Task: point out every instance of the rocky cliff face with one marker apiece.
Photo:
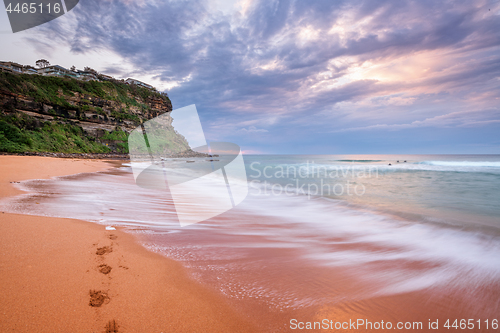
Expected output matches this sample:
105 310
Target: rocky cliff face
94 114
101 113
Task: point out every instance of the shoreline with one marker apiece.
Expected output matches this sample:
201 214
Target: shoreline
60 275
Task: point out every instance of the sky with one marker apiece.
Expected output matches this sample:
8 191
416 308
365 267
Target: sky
298 77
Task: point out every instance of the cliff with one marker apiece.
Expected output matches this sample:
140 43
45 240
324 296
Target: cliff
49 114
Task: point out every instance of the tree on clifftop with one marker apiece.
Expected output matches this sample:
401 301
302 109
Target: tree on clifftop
42 63
91 70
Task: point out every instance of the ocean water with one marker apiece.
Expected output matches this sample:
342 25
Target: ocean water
461 189
319 232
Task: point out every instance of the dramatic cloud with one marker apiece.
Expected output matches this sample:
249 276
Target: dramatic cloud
260 71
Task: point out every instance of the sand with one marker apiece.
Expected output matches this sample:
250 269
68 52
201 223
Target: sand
64 275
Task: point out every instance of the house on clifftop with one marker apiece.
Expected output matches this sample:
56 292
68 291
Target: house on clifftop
87 74
30 70
11 67
56 70
139 83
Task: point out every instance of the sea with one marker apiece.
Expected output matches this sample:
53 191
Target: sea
340 237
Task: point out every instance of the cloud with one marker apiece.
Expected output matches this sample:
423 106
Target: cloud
452 119
253 129
300 60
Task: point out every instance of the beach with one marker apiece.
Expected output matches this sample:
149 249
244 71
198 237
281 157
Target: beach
416 250
66 275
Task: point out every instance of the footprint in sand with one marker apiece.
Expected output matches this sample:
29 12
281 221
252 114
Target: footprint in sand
103 250
104 269
112 327
97 298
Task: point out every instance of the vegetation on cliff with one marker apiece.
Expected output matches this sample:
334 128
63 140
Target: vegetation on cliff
19 133
51 114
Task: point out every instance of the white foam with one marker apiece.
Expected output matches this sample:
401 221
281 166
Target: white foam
312 225
315 224
487 164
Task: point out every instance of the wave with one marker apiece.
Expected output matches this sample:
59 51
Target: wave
488 164
323 227
321 222
358 161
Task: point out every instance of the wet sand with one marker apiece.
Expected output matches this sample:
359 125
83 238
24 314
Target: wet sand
286 290
63 275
